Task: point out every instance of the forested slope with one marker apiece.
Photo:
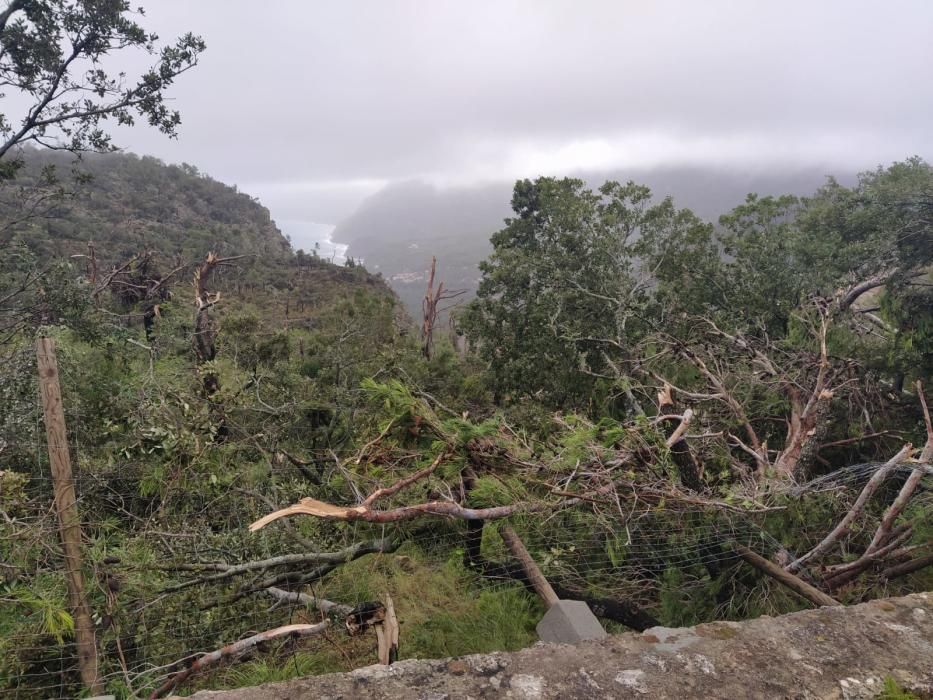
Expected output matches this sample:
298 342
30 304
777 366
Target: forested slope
126 203
260 439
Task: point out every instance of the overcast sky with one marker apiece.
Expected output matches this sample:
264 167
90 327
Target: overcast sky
314 105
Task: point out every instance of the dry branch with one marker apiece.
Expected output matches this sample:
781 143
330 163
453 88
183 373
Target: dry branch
723 394
429 308
908 567
327 607
856 509
227 571
809 419
310 506
404 483
887 537
814 595
847 572
907 490
236 649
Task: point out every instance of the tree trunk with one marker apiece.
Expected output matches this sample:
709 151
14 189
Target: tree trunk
538 582
799 586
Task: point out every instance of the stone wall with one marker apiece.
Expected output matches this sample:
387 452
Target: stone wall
840 652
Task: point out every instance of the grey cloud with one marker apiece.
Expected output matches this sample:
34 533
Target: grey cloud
304 99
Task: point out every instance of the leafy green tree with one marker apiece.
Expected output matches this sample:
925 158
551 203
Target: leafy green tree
50 57
536 257
51 54
876 240
564 294
869 247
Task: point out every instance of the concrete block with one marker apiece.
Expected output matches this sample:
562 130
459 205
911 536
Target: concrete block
569 621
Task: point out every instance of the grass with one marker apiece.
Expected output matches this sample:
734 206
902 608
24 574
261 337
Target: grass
893 691
443 610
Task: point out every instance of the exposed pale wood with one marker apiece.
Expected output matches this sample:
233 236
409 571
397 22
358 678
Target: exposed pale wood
235 649
681 429
691 471
311 506
882 534
67 510
387 631
535 577
876 479
796 584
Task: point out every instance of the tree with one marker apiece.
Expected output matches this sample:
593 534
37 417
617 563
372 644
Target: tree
51 52
50 56
563 296
429 310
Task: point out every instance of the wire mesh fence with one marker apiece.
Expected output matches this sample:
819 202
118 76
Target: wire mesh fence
173 574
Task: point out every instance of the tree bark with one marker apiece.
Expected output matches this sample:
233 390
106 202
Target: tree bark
799 586
235 649
537 579
908 567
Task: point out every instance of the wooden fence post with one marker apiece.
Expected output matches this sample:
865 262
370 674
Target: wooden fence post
66 507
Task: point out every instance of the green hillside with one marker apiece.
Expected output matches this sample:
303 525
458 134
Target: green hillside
638 407
127 203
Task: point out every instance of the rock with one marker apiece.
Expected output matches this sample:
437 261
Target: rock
844 653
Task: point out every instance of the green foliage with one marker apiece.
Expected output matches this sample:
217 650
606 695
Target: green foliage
589 300
578 279
45 42
893 691
490 491
47 610
464 431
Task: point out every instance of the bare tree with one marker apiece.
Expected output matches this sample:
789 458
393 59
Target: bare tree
433 298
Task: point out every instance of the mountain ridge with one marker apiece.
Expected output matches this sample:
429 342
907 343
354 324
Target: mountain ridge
397 230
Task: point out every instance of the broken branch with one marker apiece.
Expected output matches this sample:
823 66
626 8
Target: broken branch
856 509
236 649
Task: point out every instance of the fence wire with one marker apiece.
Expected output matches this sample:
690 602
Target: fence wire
159 584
